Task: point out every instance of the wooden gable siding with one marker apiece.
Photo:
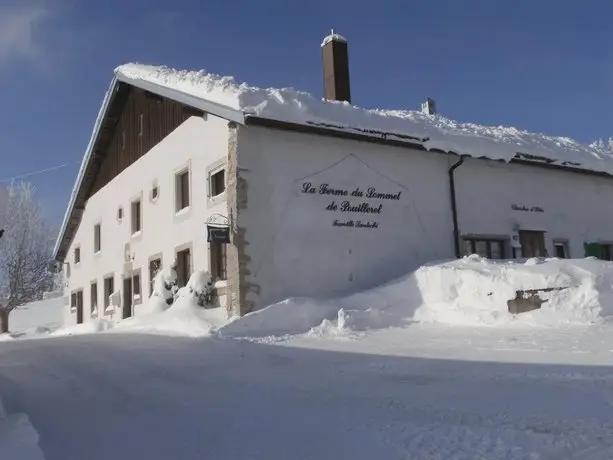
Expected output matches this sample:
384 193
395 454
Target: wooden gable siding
127 143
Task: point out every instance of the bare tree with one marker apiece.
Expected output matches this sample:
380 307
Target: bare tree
25 250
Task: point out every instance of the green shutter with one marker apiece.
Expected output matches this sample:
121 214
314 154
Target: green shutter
593 250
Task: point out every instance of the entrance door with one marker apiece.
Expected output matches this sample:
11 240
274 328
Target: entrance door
127 298
79 307
532 243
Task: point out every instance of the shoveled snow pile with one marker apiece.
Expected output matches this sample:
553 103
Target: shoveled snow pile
475 291
18 438
470 291
432 131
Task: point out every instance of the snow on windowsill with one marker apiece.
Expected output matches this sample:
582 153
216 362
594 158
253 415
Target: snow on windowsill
137 235
221 284
219 196
183 212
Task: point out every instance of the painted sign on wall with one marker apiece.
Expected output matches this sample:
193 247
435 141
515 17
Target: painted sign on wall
363 202
523 208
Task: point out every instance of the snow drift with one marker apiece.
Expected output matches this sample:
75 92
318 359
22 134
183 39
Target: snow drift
475 291
472 291
18 438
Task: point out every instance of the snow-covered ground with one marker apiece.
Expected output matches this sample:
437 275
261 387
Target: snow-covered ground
37 319
382 374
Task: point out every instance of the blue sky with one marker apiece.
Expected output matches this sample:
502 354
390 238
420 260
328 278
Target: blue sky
545 66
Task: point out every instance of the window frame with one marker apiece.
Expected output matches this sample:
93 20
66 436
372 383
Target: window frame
136 221
557 242
181 205
473 240
213 182
136 274
107 295
184 275
152 275
93 299
97 237
218 261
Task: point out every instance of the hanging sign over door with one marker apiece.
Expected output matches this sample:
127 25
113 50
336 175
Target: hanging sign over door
217 234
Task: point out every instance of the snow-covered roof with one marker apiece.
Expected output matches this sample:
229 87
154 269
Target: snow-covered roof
435 131
225 97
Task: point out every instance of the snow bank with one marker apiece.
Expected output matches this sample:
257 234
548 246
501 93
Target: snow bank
470 291
89 327
18 438
475 291
36 318
432 131
291 316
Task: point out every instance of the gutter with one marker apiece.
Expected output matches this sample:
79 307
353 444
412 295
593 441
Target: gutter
454 206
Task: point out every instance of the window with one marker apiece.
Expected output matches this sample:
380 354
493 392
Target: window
217 253
602 251
109 288
97 238
184 267
93 299
155 266
182 190
155 191
136 283
136 217
560 249
218 182
489 248
119 213
77 255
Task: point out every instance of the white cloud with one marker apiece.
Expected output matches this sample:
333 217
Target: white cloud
19 32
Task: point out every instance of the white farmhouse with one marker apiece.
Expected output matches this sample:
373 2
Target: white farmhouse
277 193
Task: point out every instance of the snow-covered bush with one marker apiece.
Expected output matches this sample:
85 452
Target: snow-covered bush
164 289
199 288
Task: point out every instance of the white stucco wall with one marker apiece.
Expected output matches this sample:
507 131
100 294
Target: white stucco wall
574 206
293 246
295 250
198 143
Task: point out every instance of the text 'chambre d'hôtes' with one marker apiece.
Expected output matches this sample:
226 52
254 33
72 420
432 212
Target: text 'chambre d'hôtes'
347 206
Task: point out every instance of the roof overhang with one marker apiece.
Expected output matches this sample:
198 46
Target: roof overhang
78 197
213 108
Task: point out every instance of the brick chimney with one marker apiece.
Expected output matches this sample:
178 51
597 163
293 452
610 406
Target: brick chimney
335 59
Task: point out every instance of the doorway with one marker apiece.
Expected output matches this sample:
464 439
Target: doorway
79 305
127 298
532 243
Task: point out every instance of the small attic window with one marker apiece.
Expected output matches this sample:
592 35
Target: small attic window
155 191
119 213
